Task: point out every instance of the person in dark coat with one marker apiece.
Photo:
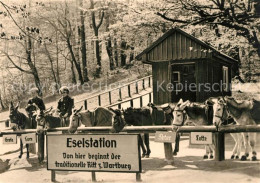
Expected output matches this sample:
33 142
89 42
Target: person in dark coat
32 105
65 105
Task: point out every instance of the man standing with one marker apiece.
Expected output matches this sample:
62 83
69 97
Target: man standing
65 105
32 105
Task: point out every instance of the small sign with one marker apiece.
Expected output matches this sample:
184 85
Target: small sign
201 138
95 152
162 136
29 138
9 139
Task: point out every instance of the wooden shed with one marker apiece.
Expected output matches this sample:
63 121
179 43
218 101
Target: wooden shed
185 67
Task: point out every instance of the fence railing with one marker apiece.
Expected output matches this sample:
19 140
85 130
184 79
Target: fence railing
219 133
145 80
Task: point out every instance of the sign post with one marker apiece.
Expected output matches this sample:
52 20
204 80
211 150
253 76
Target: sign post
93 153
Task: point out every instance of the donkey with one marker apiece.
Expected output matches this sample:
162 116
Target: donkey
195 113
148 115
98 117
19 121
244 113
45 120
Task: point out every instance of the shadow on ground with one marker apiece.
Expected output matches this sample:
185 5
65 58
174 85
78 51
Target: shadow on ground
251 168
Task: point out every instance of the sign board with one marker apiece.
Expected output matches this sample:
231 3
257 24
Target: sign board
94 152
29 138
9 139
162 136
201 138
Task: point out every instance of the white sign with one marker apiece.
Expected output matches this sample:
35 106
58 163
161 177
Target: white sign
9 139
201 138
29 138
162 136
93 152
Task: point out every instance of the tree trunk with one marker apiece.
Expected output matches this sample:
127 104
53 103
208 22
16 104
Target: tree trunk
77 65
131 54
52 67
32 66
83 44
122 53
110 53
116 53
73 79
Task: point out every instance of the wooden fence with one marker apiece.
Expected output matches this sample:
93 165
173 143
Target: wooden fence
219 133
145 83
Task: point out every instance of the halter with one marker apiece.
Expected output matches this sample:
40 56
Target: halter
222 116
183 118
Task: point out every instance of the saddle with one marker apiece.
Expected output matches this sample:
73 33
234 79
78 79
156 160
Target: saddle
159 112
255 111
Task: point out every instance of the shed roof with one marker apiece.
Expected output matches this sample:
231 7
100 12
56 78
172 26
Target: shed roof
176 44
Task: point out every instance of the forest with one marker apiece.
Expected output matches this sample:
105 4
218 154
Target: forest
51 43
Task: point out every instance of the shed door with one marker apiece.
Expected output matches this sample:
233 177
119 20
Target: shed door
184 82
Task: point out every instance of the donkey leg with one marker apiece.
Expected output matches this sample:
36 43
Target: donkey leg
211 151
234 151
246 144
141 143
206 156
27 148
177 143
147 144
252 140
21 149
239 144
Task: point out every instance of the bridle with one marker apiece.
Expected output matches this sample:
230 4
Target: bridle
184 117
225 108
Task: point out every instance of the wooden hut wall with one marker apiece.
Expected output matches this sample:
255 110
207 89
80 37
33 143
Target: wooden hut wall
202 73
161 75
176 47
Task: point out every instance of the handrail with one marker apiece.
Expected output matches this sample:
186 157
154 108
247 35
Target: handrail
152 129
128 100
102 93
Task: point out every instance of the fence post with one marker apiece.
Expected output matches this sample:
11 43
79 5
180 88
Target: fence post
86 104
143 85
41 146
99 100
220 146
120 95
150 97
129 91
136 87
138 177
93 176
119 106
53 176
141 101
132 103
168 153
149 81
109 95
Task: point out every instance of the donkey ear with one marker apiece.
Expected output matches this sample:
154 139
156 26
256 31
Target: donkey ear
17 105
184 104
11 104
80 109
180 101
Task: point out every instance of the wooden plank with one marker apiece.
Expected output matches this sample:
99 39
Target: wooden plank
93 177
164 49
220 146
41 145
175 56
183 47
188 48
169 48
53 176
160 51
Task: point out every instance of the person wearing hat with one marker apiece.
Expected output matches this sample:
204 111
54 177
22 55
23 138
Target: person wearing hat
32 105
65 105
